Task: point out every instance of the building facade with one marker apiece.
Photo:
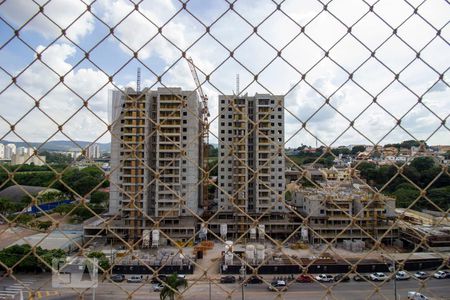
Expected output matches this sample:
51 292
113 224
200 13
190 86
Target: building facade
339 211
93 151
155 159
251 168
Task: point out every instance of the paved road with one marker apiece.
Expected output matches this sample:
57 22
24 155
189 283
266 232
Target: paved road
437 289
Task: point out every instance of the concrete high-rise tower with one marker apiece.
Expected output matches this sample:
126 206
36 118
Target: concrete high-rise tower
155 161
251 146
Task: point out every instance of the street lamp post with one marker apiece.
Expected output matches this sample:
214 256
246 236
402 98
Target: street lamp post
243 273
209 288
395 279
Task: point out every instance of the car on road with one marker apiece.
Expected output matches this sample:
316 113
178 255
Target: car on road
341 278
157 287
421 275
135 279
361 277
304 278
402 275
378 276
441 274
324 278
253 279
416 296
161 277
228 279
118 277
277 285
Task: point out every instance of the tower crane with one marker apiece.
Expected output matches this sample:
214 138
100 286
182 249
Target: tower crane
204 130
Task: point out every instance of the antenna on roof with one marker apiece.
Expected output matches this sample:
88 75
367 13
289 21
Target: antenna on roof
237 84
138 81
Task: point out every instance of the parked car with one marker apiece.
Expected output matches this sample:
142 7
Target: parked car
324 278
161 277
341 278
253 279
228 279
360 277
157 287
277 285
441 274
118 277
135 279
402 275
416 296
378 276
305 278
421 275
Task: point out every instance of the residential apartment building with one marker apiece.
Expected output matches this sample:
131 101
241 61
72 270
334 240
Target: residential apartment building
93 151
155 159
10 150
251 169
2 151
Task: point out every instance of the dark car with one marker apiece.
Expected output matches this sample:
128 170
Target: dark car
341 278
161 277
359 277
227 279
253 279
118 277
303 278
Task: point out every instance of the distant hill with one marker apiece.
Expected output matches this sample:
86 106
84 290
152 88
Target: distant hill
61 145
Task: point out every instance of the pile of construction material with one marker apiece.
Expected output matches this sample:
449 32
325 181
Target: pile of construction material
354 246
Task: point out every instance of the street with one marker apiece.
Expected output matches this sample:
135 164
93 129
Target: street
202 290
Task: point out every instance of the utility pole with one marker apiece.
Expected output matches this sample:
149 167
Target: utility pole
243 272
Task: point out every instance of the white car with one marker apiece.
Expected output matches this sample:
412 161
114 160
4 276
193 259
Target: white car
277 285
440 275
421 275
416 296
135 279
324 278
157 287
378 276
402 275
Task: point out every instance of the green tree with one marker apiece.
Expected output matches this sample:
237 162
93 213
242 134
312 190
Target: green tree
63 209
28 261
171 287
422 163
24 218
83 181
5 206
405 196
99 198
103 262
440 197
44 225
356 149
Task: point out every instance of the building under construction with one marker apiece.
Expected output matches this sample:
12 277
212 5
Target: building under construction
340 211
156 158
251 169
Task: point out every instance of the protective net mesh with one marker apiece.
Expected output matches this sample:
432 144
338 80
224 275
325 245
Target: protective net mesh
272 149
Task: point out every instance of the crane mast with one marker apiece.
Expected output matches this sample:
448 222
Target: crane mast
204 114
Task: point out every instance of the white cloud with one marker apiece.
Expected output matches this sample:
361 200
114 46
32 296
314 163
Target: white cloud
349 97
57 101
61 12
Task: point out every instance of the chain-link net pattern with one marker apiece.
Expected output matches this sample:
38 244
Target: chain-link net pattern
278 200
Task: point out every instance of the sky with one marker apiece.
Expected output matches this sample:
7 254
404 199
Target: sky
331 76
